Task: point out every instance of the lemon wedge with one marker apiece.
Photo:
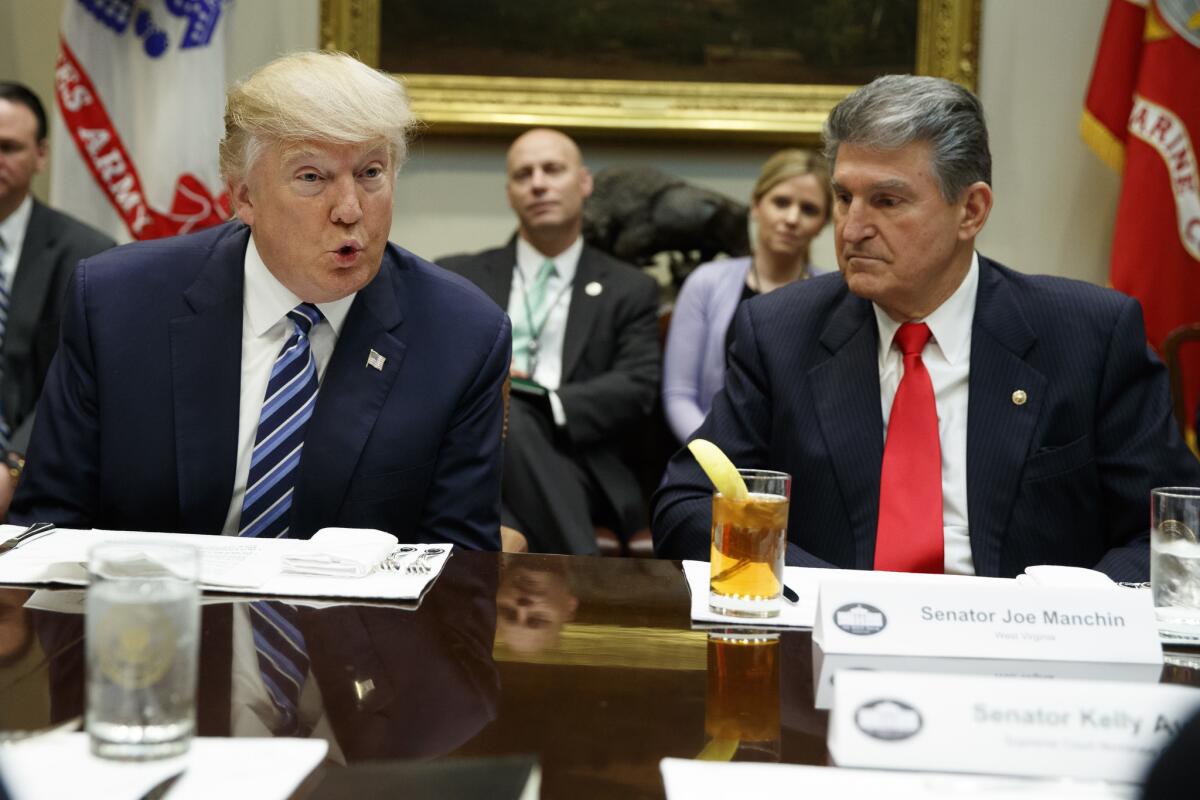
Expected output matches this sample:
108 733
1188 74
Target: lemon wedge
718 749
719 469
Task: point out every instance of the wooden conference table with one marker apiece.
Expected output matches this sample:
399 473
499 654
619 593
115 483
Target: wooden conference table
588 664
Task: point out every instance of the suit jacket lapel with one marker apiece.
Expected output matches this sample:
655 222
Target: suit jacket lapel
206 358
33 277
350 399
998 429
497 277
846 397
583 310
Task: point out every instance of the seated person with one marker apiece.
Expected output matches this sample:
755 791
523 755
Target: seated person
39 247
938 412
584 328
288 371
790 206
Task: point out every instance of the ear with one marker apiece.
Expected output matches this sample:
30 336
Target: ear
239 192
976 205
585 181
43 153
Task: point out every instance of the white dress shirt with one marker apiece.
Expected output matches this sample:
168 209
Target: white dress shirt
12 234
265 329
548 370
947 357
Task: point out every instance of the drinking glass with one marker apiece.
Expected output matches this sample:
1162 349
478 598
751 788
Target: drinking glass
741 699
749 538
143 618
1175 556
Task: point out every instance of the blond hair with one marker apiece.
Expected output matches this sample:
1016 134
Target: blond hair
313 96
788 164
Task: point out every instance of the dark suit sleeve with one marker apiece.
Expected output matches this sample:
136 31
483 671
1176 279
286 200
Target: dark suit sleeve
60 482
740 424
1138 446
463 502
598 407
76 242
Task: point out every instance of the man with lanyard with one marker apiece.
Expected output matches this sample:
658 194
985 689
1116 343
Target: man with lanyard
585 354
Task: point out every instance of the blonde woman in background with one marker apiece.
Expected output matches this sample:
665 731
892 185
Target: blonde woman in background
791 204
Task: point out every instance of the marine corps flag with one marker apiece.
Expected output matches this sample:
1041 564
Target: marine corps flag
139 91
1142 117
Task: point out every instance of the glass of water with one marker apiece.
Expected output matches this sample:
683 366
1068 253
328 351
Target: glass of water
142 633
1175 557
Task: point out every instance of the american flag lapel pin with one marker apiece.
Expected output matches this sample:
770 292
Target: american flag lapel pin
376 360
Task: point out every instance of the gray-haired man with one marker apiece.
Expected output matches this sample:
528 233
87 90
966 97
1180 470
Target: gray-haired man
940 412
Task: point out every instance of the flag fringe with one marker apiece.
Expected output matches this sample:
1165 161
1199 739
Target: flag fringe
1107 147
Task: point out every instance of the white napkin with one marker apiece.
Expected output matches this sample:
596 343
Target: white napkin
1064 577
59 765
341 553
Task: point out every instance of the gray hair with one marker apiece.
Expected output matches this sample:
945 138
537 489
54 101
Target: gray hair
313 96
896 110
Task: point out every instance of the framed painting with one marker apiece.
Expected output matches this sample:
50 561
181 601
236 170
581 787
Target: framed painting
751 70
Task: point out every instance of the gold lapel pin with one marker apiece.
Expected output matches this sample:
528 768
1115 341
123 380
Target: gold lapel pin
1019 397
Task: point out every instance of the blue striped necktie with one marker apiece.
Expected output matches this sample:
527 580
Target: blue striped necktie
5 432
266 510
287 407
282 661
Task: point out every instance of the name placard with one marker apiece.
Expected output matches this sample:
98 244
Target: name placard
1004 726
989 620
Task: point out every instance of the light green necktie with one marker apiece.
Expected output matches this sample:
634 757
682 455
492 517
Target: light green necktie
529 329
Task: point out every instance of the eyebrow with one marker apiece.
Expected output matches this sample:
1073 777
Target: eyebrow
887 185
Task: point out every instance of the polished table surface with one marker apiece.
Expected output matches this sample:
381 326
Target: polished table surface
588 664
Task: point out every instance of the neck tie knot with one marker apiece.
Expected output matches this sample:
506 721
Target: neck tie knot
305 315
912 338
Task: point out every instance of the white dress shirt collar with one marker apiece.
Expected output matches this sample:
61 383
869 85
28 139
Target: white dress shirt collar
268 300
950 323
530 260
12 233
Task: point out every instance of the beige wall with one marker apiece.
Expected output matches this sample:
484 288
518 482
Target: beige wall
1054 200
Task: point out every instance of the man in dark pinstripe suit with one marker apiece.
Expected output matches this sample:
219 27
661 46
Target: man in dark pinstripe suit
1053 420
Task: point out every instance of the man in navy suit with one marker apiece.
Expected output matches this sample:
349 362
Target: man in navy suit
1048 419
162 405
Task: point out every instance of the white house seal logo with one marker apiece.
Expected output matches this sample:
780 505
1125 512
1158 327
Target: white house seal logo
888 720
860 619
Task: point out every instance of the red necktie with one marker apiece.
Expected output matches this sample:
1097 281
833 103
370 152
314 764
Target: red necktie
910 537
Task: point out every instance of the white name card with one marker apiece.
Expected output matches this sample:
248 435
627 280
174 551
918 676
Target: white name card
1004 726
989 620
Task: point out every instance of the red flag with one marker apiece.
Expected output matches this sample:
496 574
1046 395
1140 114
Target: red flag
1142 116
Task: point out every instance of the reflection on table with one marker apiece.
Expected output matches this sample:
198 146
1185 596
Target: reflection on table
588 664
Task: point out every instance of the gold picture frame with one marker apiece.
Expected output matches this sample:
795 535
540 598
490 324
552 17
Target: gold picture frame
947 46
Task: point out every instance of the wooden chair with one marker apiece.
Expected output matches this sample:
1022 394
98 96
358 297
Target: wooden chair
1176 339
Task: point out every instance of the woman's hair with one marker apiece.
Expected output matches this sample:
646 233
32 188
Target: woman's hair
788 164
313 96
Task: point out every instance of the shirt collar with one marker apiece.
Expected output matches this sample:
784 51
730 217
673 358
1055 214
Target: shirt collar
529 260
950 323
12 229
268 300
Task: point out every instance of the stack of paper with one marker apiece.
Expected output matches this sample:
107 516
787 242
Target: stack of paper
324 566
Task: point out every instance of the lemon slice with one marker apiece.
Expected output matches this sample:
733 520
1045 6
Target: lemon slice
718 749
719 469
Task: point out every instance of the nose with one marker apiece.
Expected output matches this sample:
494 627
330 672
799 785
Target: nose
537 181
347 208
854 222
792 215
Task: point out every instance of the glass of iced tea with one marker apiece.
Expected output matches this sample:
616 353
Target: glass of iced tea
749 537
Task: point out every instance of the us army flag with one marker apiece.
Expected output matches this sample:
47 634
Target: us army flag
139 91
